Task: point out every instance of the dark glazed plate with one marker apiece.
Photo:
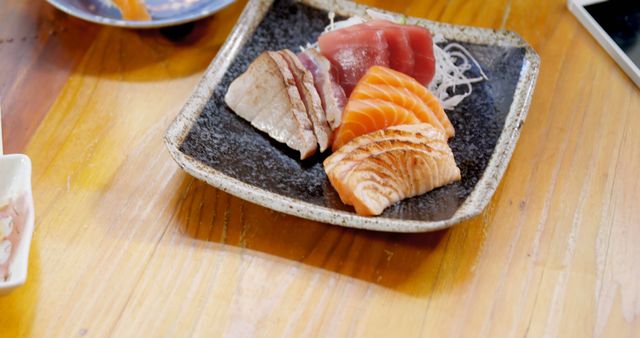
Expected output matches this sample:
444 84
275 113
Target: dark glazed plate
213 144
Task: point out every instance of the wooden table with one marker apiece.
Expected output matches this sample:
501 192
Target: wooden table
127 245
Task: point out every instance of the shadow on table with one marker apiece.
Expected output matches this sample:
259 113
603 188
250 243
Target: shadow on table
146 55
411 263
42 45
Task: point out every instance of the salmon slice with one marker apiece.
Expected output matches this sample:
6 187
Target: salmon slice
354 159
132 10
386 76
390 177
403 132
364 116
400 136
377 170
400 96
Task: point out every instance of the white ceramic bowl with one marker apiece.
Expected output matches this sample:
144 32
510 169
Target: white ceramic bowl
16 212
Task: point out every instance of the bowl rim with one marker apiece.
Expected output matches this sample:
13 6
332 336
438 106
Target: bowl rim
474 204
212 8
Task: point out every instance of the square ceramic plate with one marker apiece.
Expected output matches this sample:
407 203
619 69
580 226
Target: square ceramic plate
213 144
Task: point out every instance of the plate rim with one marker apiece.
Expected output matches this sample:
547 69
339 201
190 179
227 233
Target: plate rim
148 24
473 205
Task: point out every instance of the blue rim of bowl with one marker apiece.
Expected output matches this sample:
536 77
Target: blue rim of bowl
214 7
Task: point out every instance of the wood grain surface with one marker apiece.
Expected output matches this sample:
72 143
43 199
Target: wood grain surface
127 245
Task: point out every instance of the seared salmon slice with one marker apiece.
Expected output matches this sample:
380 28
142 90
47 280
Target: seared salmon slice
376 170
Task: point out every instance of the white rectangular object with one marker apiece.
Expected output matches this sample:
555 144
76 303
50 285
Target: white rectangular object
15 190
577 7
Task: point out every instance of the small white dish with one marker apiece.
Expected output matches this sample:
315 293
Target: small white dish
16 220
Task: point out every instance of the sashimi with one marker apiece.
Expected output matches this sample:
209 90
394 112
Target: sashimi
310 98
421 44
331 93
352 52
266 95
403 132
392 138
386 76
400 96
425 62
364 116
380 171
401 53
354 49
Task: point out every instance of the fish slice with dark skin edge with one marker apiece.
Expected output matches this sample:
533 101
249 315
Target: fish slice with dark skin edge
331 93
311 99
266 95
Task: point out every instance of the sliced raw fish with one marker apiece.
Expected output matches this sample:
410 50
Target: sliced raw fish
381 170
401 53
403 132
385 97
425 62
364 116
421 44
331 93
400 96
386 76
352 51
310 98
267 96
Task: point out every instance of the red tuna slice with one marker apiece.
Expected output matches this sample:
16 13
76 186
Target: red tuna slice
422 45
401 54
352 51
